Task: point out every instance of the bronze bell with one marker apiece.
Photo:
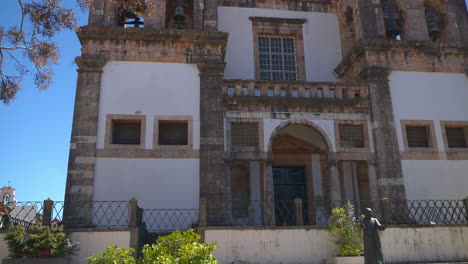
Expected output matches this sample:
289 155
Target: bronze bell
179 16
393 29
434 30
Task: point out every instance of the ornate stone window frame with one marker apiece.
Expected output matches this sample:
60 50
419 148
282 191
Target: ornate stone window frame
460 124
281 27
365 135
187 118
259 121
108 131
432 141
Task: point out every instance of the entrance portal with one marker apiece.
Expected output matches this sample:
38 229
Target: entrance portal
289 184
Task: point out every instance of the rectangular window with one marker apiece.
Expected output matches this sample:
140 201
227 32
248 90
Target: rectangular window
351 136
277 58
417 136
127 132
244 134
173 132
456 137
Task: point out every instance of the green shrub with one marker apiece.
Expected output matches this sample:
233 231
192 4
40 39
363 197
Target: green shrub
176 248
38 242
113 255
346 231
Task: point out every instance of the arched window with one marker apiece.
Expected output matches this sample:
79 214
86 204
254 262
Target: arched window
6 198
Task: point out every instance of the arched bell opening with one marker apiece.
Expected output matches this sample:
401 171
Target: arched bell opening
434 11
132 13
393 19
179 14
299 170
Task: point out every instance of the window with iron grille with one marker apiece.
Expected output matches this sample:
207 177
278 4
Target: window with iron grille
277 58
173 132
417 136
244 134
127 132
351 136
456 137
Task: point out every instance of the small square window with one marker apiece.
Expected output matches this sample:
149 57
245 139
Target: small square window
257 91
417 136
351 136
295 93
245 91
126 132
231 91
282 92
244 134
307 92
331 93
172 132
271 92
456 137
320 93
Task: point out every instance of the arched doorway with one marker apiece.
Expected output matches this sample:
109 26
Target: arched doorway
299 169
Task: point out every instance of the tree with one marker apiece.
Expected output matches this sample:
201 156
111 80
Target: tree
28 49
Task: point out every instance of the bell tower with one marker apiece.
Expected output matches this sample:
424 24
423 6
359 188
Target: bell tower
8 196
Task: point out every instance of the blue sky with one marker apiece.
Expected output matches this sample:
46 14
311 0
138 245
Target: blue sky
35 128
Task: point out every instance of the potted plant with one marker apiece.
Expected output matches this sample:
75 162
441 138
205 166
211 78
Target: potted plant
347 233
39 244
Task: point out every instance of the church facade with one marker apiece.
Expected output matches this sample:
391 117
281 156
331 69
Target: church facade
246 103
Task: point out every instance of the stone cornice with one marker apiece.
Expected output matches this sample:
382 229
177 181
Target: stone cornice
147 45
278 20
142 34
403 56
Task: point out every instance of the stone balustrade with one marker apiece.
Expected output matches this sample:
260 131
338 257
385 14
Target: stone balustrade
241 88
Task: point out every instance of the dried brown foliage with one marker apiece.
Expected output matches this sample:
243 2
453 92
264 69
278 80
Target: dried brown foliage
29 49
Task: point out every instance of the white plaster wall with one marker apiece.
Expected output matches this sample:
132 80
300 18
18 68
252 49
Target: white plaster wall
435 179
428 96
151 89
155 183
91 243
3 246
425 244
269 125
321 41
437 97
272 246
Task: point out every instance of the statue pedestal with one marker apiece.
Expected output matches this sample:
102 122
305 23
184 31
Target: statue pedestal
346 260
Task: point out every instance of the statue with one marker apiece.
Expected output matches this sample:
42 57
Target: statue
372 246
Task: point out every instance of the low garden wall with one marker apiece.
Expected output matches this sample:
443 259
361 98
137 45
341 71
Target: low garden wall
293 245
400 244
91 241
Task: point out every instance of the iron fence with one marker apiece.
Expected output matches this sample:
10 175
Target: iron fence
115 214
168 220
429 212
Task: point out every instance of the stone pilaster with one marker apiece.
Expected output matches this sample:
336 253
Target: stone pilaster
156 17
213 179
268 194
81 161
210 15
103 13
371 19
387 155
415 26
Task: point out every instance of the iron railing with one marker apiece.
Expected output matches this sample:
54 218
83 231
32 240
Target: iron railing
116 214
168 220
429 212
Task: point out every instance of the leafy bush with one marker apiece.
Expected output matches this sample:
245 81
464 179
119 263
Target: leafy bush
176 248
113 255
346 231
38 242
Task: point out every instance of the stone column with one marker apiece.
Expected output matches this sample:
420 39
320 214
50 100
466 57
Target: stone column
348 180
255 199
415 26
104 13
371 19
335 185
213 182
374 195
268 195
316 210
387 155
81 160
457 22
210 15
156 18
